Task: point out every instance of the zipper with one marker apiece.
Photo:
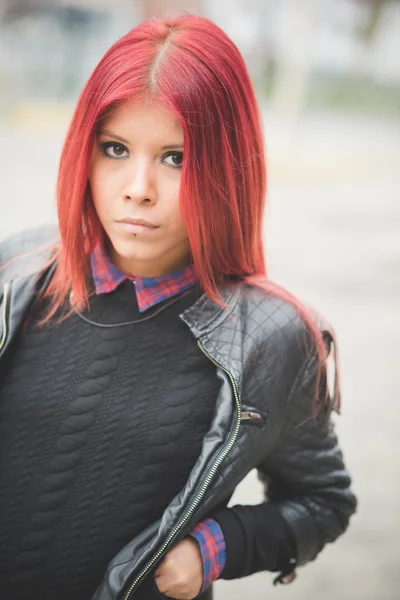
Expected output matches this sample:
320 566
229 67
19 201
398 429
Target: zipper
204 485
4 314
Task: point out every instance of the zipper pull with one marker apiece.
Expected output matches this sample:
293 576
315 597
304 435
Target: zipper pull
248 415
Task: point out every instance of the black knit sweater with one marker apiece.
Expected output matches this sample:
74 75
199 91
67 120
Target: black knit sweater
99 429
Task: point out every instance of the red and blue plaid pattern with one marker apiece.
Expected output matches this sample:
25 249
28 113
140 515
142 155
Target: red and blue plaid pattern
149 290
211 540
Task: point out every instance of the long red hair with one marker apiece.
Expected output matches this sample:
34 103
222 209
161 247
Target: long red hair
192 67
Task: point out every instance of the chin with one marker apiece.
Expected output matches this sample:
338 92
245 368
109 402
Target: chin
132 249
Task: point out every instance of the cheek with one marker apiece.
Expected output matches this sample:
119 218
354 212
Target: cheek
171 200
175 218
100 189
179 226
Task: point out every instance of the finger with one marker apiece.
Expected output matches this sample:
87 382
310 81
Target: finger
162 583
160 569
175 590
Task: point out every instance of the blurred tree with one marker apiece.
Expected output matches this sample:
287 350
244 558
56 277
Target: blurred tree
366 32
12 10
375 10
152 8
293 65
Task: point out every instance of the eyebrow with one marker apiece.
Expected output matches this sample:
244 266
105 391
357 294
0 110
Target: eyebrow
124 141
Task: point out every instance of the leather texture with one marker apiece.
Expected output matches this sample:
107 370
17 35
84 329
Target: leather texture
266 360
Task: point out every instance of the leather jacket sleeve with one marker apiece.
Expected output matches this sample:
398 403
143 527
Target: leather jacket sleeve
26 252
308 497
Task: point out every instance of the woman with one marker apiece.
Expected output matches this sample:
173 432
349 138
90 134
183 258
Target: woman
148 363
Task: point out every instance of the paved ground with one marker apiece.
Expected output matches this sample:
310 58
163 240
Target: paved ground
332 238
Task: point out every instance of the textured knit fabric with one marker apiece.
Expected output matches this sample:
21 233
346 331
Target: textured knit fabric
149 290
99 429
211 540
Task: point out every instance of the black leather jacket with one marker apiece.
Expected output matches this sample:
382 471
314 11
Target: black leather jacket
262 420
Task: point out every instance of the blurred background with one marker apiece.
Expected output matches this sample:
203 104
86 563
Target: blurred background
327 76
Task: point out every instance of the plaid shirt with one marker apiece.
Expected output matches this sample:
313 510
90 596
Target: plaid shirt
211 540
149 292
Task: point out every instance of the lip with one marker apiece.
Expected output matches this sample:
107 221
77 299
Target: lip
132 225
134 221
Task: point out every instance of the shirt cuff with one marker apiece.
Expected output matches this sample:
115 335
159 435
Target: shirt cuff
210 538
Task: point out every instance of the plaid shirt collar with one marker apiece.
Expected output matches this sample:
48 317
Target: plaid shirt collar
149 290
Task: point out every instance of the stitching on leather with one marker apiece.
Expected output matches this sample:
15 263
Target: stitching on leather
221 312
221 357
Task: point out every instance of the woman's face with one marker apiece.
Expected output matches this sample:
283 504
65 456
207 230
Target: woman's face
135 174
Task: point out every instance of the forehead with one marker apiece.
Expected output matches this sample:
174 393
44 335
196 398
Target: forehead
139 120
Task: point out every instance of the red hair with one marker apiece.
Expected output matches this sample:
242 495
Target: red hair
192 67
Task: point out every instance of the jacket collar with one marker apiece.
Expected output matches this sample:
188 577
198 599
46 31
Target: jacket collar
205 314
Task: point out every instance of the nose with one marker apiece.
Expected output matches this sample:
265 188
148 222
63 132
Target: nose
140 183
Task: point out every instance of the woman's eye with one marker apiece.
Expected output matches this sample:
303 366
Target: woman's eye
174 159
114 150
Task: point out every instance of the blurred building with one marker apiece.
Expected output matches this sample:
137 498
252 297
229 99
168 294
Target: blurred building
49 47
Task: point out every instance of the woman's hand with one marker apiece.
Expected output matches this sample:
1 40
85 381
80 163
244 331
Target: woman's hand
180 574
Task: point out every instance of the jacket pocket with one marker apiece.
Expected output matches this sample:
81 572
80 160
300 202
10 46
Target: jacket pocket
253 416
